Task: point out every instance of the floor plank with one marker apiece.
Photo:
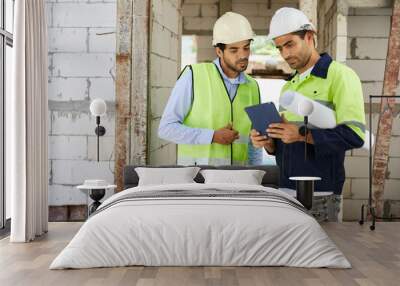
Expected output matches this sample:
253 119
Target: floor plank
374 255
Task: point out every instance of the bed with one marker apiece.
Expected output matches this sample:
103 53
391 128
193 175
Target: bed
198 224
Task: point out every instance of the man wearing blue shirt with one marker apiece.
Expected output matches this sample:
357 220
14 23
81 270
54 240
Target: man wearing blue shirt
205 113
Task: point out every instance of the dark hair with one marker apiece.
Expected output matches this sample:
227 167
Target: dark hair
301 33
221 46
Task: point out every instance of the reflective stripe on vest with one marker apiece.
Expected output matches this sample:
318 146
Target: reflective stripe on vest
213 109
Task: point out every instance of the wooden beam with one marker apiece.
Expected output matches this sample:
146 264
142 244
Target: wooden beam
139 86
381 155
210 32
369 3
224 6
131 85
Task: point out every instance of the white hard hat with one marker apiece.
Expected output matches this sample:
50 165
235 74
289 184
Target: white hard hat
288 20
231 28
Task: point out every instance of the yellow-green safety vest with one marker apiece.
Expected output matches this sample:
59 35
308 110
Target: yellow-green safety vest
213 109
341 91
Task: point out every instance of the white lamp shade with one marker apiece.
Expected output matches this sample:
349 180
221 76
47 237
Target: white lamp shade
98 107
305 107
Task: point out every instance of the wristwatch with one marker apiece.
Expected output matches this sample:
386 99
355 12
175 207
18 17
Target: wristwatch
302 130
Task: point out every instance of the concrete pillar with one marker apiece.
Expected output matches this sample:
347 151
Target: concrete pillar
309 7
131 85
224 6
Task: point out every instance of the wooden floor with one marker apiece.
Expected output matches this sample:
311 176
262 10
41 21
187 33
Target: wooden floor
375 257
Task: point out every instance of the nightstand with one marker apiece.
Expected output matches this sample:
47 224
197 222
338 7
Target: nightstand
319 208
96 190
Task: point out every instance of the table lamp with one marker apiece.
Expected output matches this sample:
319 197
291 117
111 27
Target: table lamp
98 108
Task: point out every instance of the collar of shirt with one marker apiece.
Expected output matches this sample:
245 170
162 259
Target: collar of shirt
240 79
320 68
305 73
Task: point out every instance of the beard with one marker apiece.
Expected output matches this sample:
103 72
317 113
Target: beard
298 62
238 66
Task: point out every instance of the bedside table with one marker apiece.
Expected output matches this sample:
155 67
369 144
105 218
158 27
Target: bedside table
96 190
319 208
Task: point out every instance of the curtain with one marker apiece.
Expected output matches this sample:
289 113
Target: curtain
27 134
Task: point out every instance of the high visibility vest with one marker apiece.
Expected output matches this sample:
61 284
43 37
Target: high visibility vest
340 90
213 109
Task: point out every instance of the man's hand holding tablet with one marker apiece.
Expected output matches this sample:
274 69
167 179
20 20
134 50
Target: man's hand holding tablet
261 116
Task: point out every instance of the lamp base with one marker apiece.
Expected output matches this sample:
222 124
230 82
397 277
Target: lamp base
96 195
305 193
305 190
100 130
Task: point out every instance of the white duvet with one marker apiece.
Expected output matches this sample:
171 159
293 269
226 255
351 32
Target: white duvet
204 231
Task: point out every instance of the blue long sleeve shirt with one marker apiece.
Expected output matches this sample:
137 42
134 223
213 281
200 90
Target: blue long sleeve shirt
171 125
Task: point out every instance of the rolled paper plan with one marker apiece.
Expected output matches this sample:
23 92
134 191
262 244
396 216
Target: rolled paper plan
321 116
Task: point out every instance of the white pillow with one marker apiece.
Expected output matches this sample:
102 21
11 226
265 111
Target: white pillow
248 177
165 176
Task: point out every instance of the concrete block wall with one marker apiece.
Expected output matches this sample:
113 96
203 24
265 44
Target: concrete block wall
199 17
358 38
332 28
165 42
205 50
367 46
367 40
81 67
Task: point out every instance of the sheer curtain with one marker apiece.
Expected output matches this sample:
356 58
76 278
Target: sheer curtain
27 134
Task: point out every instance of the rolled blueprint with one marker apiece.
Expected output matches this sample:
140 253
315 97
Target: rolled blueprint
318 114
321 116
